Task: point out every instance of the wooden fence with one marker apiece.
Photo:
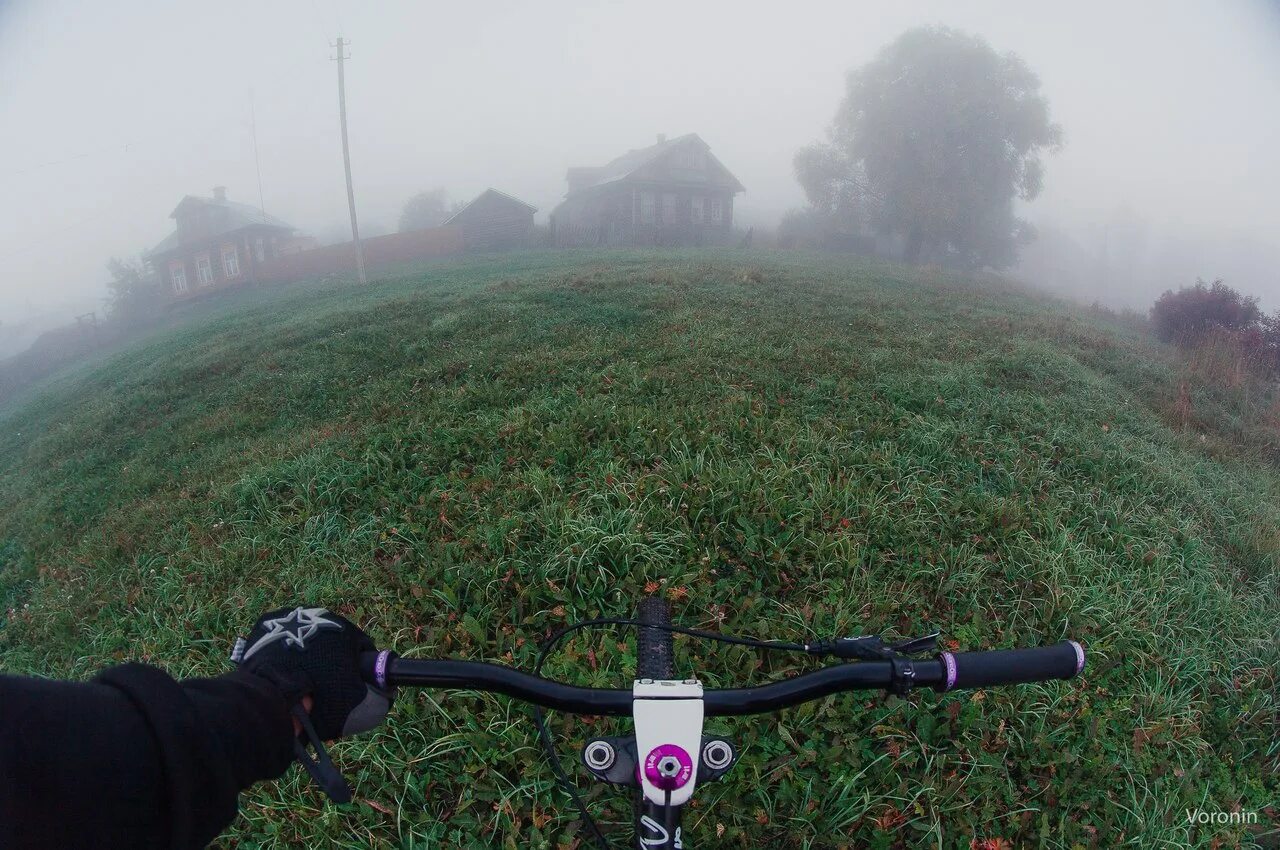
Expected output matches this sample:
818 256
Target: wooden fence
391 249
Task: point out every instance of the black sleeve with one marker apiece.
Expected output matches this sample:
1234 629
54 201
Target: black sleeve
133 758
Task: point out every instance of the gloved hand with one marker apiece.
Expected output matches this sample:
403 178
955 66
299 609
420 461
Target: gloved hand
312 651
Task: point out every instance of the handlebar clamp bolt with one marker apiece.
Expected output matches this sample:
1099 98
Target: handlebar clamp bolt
717 754
599 755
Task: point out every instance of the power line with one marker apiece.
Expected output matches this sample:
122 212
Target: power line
253 128
72 158
320 24
38 242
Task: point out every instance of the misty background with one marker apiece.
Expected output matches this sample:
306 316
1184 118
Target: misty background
113 112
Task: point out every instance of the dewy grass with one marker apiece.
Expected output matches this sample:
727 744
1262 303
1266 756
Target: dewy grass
468 455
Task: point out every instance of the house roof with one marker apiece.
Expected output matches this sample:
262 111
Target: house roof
170 243
632 161
237 216
489 193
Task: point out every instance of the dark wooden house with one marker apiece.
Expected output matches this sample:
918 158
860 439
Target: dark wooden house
674 192
217 243
494 221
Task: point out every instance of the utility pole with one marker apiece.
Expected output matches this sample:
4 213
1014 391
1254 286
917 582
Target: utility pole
346 160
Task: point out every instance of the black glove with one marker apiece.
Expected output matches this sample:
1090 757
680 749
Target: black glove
314 651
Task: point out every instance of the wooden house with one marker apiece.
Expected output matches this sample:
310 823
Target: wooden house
674 192
217 243
494 221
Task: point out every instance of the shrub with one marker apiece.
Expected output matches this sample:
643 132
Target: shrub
811 228
802 228
1186 316
1269 335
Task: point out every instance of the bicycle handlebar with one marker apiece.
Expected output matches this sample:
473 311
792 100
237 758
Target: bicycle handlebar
943 673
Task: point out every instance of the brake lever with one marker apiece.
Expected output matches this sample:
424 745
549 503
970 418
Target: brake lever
917 646
873 647
863 648
321 768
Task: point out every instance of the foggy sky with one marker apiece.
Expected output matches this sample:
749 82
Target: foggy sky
113 111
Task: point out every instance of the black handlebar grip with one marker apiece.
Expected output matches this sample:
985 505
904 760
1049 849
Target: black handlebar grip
1010 666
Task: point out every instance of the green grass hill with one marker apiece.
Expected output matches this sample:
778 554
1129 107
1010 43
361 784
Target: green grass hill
468 455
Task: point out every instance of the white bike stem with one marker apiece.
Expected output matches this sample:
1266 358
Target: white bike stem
668 723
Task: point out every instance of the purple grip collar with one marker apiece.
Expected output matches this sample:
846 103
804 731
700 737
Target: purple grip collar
1079 656
949 662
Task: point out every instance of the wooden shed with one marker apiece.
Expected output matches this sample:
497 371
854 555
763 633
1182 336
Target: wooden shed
494 221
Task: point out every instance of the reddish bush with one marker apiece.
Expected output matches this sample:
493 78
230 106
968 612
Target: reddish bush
1186 316
1269 332
1221 325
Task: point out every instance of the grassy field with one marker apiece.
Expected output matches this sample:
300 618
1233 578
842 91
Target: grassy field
468 456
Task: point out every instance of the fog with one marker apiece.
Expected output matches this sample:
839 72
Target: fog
113 111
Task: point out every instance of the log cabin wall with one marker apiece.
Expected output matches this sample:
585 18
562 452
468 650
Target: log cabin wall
495 222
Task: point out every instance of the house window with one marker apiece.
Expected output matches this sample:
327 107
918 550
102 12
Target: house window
668 208
261 250
715 210
695 209
230 261
648 207
204 270
178 276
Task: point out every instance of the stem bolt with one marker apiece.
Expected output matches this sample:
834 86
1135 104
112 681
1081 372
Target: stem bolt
668 767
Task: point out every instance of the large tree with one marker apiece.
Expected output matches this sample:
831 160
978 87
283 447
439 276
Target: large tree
133 293
426 209
934 140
